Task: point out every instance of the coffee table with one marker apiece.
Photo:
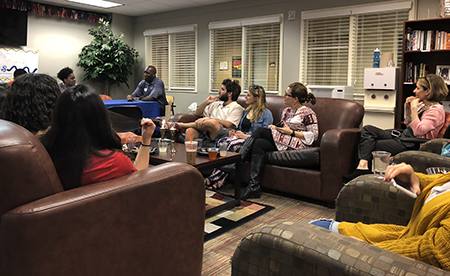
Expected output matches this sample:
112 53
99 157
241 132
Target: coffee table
203 163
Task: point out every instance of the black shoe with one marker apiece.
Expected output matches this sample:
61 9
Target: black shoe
355 174
251 193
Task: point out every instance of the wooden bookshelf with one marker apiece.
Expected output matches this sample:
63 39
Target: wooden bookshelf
430 57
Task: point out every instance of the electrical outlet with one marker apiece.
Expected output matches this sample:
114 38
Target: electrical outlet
291 15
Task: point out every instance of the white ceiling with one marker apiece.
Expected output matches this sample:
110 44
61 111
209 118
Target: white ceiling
137 7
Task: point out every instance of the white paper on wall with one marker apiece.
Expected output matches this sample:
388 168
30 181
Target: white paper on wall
15 58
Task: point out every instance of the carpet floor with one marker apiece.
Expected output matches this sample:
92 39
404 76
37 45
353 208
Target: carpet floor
218 251
228 219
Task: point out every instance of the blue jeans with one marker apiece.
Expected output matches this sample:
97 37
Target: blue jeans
327 224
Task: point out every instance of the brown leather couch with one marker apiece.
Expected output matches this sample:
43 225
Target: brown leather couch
144 223
316 172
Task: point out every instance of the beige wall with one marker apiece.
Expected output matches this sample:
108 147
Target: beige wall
60 40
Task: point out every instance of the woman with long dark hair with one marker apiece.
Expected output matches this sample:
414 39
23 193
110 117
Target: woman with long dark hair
82 144
297 130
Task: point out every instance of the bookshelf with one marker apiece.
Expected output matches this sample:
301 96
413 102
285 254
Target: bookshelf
422 56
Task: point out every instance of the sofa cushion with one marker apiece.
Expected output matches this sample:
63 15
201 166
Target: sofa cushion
302 158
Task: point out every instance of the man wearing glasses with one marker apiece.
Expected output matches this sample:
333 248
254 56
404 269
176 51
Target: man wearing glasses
219 115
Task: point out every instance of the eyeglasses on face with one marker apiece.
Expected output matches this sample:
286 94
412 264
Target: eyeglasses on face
287 95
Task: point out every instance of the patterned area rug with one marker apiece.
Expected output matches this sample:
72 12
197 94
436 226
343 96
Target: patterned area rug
229 219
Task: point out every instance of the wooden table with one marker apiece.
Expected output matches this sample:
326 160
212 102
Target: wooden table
203 163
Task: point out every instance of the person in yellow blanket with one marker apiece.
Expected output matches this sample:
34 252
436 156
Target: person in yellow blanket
426 236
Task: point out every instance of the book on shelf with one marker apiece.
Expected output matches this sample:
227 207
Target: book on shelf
413 71
426 40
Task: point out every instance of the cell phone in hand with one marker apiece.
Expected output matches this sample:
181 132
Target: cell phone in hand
409 192
280 124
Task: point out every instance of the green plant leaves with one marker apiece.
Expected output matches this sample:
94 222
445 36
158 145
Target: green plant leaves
107 58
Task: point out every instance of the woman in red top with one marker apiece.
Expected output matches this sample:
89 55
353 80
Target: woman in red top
82 144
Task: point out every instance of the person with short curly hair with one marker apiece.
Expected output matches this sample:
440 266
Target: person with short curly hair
67 77
30 102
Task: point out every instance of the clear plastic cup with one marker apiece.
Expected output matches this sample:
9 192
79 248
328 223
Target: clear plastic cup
212 153
223 149
191 152
162 145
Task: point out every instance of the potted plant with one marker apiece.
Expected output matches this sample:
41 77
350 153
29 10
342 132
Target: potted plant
107 59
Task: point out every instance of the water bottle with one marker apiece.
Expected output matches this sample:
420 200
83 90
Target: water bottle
376 58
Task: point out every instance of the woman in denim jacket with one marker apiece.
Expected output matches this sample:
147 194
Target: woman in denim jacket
256 115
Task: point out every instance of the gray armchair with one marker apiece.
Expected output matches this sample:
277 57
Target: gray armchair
289 247
429 155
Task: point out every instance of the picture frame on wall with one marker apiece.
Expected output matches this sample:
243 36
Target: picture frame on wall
443 71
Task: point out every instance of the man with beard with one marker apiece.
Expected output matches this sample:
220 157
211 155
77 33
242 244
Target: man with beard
151 88
220 114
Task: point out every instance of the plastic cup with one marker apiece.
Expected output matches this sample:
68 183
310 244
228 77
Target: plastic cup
380 161
131 142
223 149
191 152
135 99
162 146
212 153
199 142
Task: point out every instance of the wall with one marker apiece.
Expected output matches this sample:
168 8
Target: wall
59 42
202 16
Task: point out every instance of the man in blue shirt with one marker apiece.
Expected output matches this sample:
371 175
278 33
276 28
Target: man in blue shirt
151 89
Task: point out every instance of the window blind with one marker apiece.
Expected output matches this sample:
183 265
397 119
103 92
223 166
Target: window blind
262 56
173 53
376 30
336 49
226 47
248 50
325 51
182 61
159 56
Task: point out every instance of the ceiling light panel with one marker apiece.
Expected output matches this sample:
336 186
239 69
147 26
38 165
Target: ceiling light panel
97 3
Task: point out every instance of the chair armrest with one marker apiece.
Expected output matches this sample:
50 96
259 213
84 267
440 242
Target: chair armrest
298 248
147 222
369 200
435 145
338 154
421 160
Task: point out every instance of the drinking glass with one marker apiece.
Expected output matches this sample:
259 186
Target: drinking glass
380 161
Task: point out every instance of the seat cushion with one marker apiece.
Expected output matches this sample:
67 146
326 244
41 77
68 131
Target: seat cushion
302 158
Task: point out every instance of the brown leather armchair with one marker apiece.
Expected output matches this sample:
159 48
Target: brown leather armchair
316 172
144 223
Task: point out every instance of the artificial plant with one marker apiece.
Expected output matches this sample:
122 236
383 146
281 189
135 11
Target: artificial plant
107 59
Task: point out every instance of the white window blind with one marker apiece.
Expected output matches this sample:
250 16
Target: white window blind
326 51
382 30
248 51
173 53
262 56
336 49
226 47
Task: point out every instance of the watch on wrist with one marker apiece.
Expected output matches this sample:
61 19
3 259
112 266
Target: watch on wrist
293 133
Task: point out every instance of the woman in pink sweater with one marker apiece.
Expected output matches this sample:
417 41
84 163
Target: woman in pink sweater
424 117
